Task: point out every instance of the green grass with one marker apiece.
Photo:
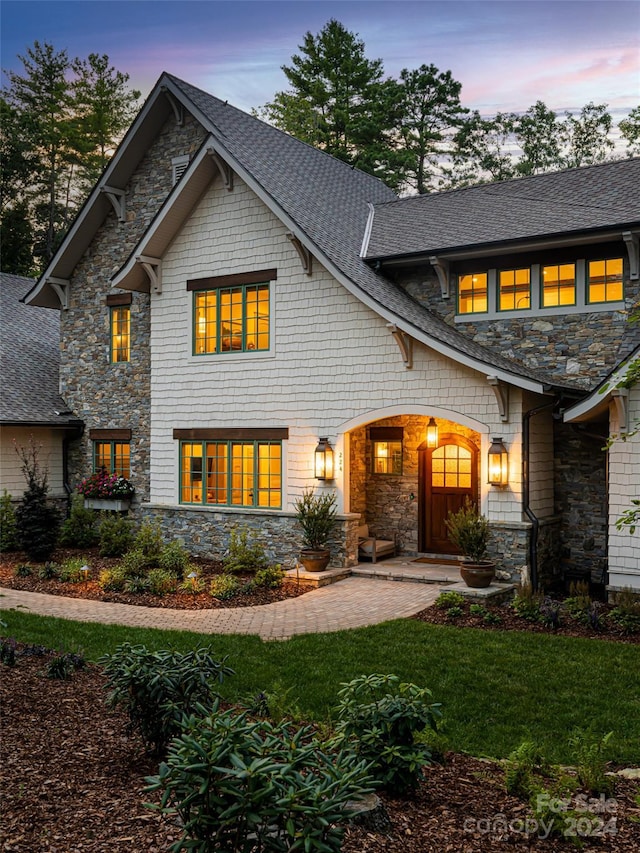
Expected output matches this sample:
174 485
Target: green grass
497 688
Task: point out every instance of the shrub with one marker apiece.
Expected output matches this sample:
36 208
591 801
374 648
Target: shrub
50 571
477 610
527 603
318 518
244 556
116 535
469 531
578 604
455 612
70 570
449 599
62 666
378 717
523 767
23 570
79 530
551 613
37 522
8 529
137 584
225 587
271 577
8 652
174 558
626 613
162 581
589 752
148 541
157 688
490 618
113 580
134 564
191 581
239 786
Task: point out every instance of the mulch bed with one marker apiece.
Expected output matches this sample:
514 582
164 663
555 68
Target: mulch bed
73 780
207 570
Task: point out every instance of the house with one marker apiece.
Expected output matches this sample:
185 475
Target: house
234 303
31 409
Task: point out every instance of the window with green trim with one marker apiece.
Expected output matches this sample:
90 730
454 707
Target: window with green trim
231 473
231 319
112 456
120 333
514 289
558 285
605 281
472 293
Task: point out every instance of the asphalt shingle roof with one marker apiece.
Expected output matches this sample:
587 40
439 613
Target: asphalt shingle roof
29 358
556 203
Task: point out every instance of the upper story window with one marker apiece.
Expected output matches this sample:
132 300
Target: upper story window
120 326
514 289
559 285
605 280
472 293
232 313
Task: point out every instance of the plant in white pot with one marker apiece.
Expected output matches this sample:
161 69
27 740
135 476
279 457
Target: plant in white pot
470 532
317 516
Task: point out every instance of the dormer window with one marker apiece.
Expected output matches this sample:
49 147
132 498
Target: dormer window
605 280
472 293
515 289
559 285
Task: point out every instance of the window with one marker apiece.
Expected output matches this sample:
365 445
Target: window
387 457
234 319
515 289
112 456
231 473
605 281
120 333
472 293
559 285
451 467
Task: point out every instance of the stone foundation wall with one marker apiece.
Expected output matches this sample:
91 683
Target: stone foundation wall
509 547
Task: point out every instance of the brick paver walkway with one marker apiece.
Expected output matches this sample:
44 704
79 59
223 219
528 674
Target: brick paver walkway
351 603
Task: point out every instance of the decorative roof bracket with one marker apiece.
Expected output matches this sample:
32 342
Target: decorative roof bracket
306 258
117 198
176 106
441 267
620 397
226 172
405 344
153 269
633 250
61 288
502 397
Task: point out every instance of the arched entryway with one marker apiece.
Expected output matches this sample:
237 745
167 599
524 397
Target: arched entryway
447 477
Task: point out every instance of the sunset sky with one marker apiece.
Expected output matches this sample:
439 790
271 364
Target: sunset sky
506 54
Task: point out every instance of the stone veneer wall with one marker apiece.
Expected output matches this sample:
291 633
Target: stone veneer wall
105 395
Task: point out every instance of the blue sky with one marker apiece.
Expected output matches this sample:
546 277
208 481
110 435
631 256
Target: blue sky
507 54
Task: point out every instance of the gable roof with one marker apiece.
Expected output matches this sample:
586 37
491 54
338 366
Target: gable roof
323 201
29 359
591 201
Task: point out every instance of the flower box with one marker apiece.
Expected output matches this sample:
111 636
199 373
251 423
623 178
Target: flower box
110 504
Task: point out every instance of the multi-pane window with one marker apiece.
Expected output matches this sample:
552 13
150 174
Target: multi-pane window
451 467
605 281
120 333
112 456
515 289
231 319
387 457
558 285
231 473
472 293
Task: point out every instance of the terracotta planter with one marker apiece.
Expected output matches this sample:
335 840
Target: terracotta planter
108 504
477 575
315 560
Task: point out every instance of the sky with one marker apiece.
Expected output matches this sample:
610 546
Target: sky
507 54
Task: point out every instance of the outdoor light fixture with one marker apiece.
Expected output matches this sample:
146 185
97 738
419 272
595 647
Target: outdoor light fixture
193 576
432 433
323 460
85 571
498 464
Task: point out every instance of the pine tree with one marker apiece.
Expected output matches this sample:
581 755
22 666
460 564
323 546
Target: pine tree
37 521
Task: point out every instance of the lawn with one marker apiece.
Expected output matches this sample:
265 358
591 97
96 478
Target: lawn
497 688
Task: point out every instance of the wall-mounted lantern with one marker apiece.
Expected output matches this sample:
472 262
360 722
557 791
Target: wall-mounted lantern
432 433
323 460
498 463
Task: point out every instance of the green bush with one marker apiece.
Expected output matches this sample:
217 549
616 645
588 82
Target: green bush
378 718
173 558
589 752
157 688
23 570
134 564
523 769
37 521
449 599
116 534
79 529
244 556
137 584
70 570
50 571
8 529
626 613
225 587
271 577
191 580
162 581
113 580
148 541
527 603
241 786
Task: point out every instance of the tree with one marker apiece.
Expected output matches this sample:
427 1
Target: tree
430 109
588 136
482 151
541 137
630 131
37 522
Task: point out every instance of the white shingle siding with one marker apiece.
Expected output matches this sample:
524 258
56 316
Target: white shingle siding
332 359
624 485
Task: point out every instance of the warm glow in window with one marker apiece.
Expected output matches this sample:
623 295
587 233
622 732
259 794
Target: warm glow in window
515 289
559 285
233 319
472 293
605 281
387 457
451 467
112 456
237 473
120 333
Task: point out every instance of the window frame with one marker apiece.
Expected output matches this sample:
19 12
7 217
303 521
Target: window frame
114 456
389 457
514 289
604 261
558 285
473 297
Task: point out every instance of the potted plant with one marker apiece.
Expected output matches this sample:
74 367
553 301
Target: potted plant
317 517
106 491
470 532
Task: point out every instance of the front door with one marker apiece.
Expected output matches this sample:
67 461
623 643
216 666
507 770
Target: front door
448 476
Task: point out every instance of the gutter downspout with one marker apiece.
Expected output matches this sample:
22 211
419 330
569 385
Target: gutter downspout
526 508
